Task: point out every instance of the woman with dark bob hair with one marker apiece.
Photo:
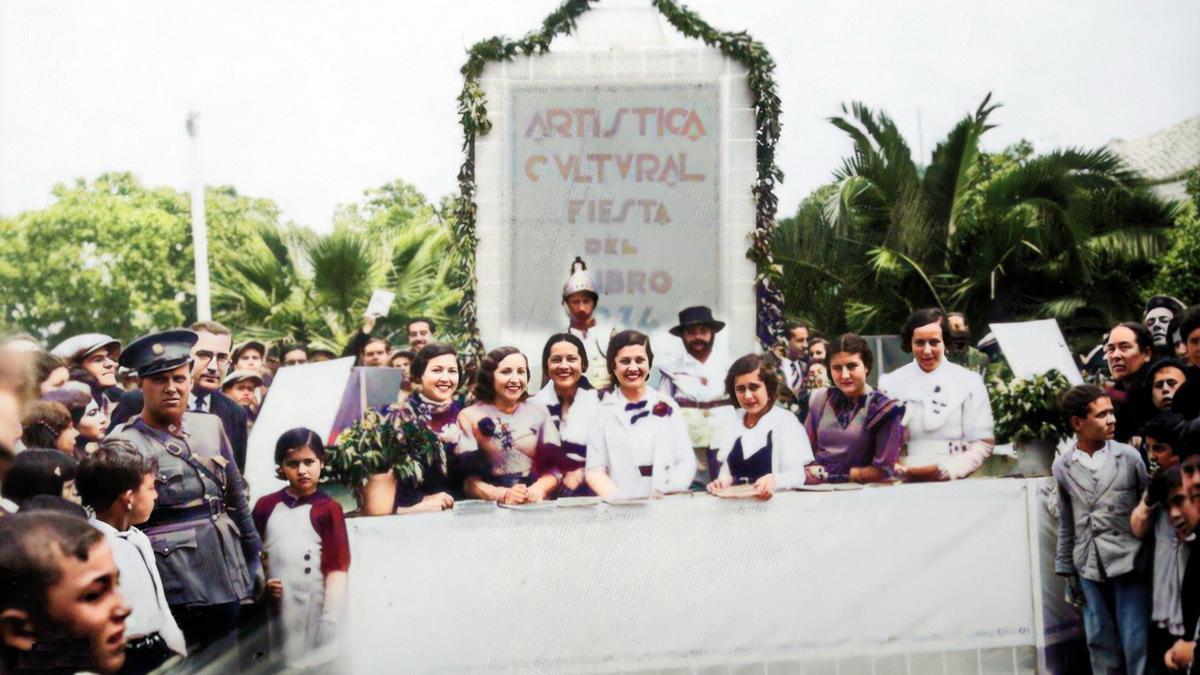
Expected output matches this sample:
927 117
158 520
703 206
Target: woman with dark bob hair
89 420
47 424
435 404
513 440
639 446
949 420
762 445
855 430
1128 350
572 404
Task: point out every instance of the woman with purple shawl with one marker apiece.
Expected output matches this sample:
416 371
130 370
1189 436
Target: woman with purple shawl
855 430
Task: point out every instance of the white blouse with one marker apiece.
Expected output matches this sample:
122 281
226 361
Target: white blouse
628 435
942 407
790 448
581 416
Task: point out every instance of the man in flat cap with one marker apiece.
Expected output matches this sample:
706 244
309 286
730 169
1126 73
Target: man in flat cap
242 387
204 540
92 359
696 380
210 357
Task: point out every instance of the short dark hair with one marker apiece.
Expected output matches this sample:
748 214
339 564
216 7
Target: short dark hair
850 343
1145 340
793 325
115 467
419 319
485 379
298 439
767 369
31 545
923 317
626 338
1075 401
387 346
75 401
210 327
38 472
1189 322
555 339
45 363
402 353
428 353
1164 428
43 423
284 349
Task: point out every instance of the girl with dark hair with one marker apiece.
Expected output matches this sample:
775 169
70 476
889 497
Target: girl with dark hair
640 445
1128 351
435 374
763 446
518 458
855 430
572 404
949 421
51 372
41 472
90 421
307 550
48 425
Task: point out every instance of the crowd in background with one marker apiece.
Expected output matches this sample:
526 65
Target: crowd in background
128 535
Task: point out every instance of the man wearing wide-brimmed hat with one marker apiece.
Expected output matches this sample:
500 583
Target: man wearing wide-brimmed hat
696 380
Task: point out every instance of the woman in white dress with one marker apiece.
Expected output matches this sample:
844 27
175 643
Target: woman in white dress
763 446
572 404
639 446
508 446
948 420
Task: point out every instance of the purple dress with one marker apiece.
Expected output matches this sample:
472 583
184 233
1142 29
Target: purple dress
854 432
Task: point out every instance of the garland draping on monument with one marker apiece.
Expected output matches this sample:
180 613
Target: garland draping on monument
739 46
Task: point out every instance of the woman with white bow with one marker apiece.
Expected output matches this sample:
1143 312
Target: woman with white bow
639 446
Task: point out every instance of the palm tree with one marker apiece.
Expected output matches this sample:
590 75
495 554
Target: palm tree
1029 236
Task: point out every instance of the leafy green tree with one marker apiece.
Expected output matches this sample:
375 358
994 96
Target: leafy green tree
294 285
1179 270
115 256
1069 234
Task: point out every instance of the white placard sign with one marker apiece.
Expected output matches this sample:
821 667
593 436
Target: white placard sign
1034 347
625 176
381 302
300 396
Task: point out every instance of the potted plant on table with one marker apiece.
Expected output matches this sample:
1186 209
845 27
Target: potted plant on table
380 451
1028 416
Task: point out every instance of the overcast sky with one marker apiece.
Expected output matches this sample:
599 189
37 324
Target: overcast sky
310 103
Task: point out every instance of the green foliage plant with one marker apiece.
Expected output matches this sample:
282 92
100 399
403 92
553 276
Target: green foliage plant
395 440
1027 410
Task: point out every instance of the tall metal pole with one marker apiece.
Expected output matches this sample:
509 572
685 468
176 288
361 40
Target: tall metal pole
199 226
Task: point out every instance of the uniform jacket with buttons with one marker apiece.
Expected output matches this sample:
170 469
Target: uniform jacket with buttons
212 559
1094 537
233 418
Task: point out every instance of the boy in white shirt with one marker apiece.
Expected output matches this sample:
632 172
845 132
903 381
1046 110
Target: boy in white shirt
117 482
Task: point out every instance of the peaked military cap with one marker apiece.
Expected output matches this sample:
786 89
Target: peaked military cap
159 352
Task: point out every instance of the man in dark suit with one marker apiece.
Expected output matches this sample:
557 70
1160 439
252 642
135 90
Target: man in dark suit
210 356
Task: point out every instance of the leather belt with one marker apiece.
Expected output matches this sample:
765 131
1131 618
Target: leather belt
702 405
160 517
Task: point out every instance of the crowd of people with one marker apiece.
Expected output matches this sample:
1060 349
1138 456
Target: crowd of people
128 536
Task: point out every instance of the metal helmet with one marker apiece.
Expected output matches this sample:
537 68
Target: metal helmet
580 281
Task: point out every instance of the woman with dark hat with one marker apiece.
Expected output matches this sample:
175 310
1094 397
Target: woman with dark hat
204 539
92 359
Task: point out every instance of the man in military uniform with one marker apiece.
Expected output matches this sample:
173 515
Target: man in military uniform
696 380
579 299
204 539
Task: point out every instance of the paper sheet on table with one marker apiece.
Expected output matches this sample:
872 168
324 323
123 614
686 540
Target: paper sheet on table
1035 347
381 302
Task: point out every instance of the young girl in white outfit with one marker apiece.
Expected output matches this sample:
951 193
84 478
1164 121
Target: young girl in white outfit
639 446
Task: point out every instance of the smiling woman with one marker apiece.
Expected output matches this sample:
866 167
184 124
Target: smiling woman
512 443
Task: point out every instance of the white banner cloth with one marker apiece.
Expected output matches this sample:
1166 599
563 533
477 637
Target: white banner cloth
879 573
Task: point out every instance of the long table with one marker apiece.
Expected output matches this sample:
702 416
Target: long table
940 578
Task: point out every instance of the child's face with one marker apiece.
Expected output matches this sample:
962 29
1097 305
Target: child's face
143 500
301 469
1184 512
85 603
1100 423
1162 453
